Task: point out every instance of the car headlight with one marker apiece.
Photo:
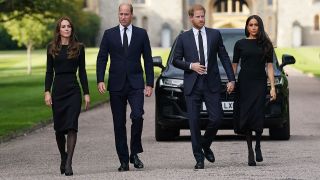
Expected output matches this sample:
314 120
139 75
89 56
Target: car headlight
171 82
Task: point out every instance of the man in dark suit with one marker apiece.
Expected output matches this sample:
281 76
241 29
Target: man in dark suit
125 43
199 47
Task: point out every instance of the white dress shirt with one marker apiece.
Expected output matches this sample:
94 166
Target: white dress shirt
205 43
129 33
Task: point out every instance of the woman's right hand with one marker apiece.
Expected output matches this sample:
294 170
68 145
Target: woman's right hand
47 98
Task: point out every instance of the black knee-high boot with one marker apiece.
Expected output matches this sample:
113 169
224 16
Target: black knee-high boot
71 143
61 142
251 161
259 157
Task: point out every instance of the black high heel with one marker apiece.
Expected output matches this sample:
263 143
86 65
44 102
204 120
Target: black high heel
251 161
68 171
259 157
63 163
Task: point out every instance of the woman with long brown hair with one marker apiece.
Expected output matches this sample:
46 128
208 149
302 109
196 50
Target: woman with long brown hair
256 55
66 56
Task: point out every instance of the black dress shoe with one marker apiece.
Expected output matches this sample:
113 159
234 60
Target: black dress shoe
251 161
63 163
137 163
123 167
209 155
259 157
199 165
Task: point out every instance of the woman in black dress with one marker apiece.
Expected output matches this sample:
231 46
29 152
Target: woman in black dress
64 57
255 53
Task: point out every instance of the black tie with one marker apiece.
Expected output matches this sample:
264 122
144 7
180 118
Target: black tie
125 41
201 51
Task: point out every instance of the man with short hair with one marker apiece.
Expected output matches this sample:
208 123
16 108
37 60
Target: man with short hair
199 47
125 44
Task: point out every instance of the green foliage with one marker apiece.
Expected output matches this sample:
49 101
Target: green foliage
88 28
6 41
29 30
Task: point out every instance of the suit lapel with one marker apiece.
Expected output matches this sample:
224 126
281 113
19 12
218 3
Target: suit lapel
193 44
133 36
209 42
118 36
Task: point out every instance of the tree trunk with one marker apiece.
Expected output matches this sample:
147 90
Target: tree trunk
29 47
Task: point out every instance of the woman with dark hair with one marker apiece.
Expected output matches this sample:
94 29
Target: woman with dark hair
65 56
255 53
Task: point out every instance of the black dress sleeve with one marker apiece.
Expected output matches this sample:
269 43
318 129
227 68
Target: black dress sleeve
270 60
49 71
82 72
236 53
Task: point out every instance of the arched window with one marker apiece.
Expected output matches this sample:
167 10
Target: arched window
316 22
224 5
145 22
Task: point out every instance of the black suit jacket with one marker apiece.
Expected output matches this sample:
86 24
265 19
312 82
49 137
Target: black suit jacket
186 48
121 65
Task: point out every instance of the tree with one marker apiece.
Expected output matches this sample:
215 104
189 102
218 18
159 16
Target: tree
30 32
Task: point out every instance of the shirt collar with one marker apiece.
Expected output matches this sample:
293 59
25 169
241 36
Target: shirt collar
122 27
196 31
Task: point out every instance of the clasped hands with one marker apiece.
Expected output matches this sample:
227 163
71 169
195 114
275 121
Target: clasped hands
201 69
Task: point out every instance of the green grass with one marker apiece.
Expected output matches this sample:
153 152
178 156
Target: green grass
307 58
21 96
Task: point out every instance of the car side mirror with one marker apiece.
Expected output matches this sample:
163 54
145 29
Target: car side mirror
157 62
287 59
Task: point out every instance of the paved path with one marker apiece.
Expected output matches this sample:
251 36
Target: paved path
36 156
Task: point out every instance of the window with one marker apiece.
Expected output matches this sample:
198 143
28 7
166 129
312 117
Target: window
316 22
145 23
138 1
134 21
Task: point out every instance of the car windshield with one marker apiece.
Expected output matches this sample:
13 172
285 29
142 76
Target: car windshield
229 40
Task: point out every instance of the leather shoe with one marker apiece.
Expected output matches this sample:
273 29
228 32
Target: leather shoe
199 165
208 154
137 163
123 167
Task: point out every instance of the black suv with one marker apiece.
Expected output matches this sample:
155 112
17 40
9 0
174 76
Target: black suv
170 106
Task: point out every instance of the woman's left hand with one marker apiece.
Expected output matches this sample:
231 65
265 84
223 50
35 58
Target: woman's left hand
87 101
273 94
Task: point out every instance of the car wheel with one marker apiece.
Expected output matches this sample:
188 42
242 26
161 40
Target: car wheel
163 134
282 133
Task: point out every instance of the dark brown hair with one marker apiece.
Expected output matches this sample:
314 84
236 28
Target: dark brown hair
263 40
196 7
73 46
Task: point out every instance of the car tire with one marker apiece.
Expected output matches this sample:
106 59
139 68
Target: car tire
165 134
282 133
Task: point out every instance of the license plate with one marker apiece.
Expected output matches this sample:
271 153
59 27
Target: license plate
226 106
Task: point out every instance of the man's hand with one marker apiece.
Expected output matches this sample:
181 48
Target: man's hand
101 87
230 87
148 91
197 67
87 101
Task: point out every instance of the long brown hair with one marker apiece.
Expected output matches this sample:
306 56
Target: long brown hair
73 46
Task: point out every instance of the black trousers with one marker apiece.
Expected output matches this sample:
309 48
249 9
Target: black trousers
118 101
201 93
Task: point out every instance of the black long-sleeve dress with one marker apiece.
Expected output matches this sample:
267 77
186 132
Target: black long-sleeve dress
66 93
251 87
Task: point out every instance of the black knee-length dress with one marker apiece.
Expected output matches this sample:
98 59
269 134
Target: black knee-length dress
249 107
66 93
